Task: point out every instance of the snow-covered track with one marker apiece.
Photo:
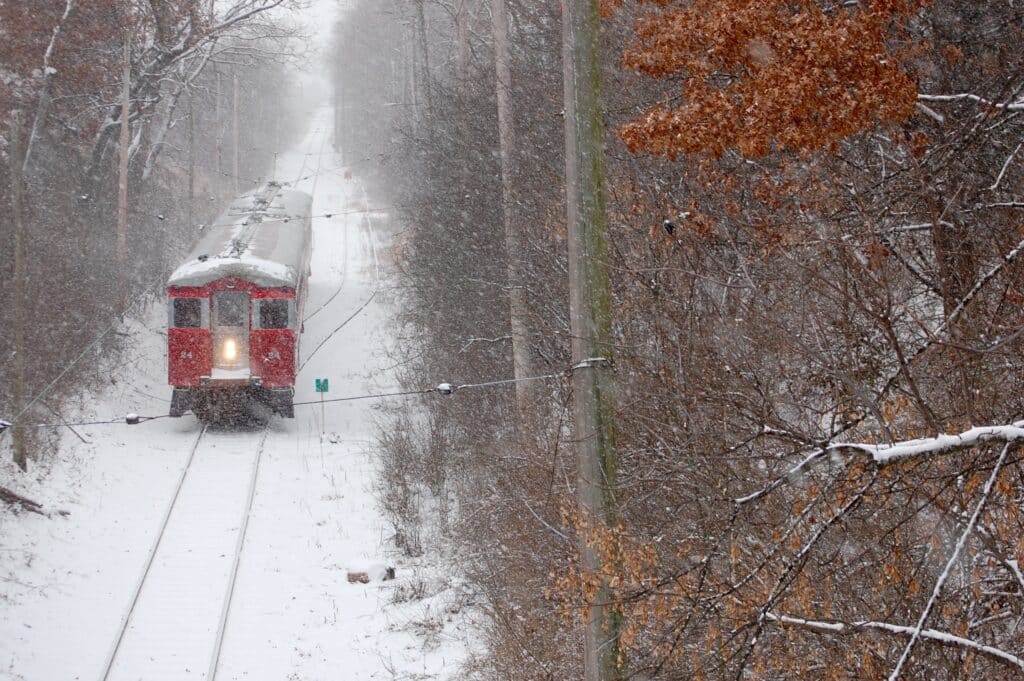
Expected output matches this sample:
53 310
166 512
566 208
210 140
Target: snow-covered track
175 623
367 234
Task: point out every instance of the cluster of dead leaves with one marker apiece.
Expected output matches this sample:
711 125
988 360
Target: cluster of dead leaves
767 75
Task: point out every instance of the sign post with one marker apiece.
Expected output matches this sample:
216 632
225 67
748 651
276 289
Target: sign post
322 387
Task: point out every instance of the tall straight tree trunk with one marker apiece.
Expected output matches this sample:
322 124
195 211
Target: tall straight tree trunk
191 161
122 179
521 356
234 133
219 127
462 56
424 85
590 315
17 195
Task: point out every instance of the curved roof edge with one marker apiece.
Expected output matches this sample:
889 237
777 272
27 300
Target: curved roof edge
264 237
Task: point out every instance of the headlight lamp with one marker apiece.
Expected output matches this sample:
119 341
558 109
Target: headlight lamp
230 350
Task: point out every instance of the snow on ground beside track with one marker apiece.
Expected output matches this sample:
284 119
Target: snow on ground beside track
66 581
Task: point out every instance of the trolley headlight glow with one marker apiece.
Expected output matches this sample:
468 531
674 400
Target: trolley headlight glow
230 350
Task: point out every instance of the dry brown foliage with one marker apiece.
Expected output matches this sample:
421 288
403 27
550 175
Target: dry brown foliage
759 76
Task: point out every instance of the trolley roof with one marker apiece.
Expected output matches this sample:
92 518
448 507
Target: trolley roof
263 237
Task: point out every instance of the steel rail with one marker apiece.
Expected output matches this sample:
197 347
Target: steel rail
126 618
344 272
239 545
365 224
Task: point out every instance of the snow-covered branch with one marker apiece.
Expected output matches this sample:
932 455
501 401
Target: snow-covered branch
1006 164
44 95
980 284
932 635
1014 105
884 454
933 446
941 581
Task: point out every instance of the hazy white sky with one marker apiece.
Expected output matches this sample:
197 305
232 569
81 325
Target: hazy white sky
318 18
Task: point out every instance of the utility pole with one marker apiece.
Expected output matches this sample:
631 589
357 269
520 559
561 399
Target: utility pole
17 194
590 316
522 361
122 181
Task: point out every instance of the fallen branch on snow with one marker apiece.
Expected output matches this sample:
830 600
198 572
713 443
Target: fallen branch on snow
15 499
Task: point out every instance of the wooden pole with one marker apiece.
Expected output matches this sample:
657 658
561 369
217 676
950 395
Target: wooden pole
17 194
590 317
122 181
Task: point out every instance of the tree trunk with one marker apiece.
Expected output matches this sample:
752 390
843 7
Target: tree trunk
462 58
234 133
526 391
17 194
590 316
122 180
191 162
421 28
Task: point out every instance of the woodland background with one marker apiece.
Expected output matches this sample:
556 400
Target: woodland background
815 214
210 103
843 188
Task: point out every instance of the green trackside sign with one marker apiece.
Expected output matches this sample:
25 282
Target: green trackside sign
321 385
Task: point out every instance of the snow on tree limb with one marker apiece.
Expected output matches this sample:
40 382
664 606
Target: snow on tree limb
934 446
44 96
940 582
1015 105
932 635
885 454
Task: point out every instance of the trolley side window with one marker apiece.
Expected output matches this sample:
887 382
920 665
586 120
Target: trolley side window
232 309
274 313
187 313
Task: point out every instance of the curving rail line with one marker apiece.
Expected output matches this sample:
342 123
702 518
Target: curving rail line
368 234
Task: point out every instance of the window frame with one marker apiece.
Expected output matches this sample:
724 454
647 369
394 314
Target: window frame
204 312
257 321
218 299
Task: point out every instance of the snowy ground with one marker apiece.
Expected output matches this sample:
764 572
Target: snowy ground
67 583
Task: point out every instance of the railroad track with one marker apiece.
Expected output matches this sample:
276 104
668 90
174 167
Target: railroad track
172 628
368 235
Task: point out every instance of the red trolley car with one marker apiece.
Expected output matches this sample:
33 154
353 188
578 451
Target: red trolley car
235 307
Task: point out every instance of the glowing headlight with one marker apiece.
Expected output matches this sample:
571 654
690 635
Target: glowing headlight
230 350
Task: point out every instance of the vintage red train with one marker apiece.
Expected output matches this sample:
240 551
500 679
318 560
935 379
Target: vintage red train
235 309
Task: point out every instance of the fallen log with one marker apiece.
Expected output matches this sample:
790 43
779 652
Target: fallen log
14 499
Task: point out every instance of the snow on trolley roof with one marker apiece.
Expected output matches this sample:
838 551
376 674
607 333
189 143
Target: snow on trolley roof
263 237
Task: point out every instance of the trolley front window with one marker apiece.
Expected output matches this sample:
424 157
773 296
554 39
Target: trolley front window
233 309
274 313
187 313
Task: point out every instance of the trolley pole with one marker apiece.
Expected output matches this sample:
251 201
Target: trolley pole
590 319
17 193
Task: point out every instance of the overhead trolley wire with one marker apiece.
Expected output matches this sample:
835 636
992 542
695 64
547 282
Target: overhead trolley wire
440 389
